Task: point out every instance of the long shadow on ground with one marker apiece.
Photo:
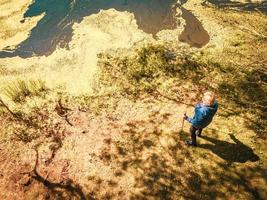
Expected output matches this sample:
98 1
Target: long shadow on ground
230 152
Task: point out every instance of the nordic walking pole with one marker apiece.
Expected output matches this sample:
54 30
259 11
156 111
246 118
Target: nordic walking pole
182 127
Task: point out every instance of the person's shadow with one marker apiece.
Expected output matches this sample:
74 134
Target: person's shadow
231 152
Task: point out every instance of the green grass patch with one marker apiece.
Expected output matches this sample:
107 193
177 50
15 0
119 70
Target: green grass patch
19 90
148 67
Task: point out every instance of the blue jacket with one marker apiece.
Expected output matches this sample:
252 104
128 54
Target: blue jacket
203 115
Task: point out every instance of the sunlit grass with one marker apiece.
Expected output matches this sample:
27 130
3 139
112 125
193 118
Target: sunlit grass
19 90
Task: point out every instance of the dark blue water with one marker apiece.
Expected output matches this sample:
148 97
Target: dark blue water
55 28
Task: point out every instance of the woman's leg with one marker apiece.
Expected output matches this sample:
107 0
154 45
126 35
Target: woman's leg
193 135
199 131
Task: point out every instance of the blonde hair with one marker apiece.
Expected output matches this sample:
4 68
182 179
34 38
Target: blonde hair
208 98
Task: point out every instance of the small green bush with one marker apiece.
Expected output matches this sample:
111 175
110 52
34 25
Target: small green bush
149 63
139 71
19 90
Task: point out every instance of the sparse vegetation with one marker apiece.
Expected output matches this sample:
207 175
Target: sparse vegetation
19 90
148 68
154 67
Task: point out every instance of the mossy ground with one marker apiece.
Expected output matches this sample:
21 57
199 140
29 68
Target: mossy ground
124 141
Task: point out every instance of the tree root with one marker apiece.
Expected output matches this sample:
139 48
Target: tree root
63 111
3 104
69 186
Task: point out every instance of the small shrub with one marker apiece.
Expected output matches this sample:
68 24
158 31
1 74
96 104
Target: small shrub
21 89
143 69
149 63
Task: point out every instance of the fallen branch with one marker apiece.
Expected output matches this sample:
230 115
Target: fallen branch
61 106
67 120
3 104
63 111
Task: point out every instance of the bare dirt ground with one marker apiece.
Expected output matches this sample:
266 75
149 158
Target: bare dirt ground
134 152
89 150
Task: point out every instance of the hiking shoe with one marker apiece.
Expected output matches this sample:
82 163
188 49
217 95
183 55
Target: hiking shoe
190 143
198 134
